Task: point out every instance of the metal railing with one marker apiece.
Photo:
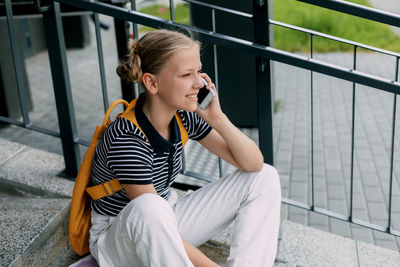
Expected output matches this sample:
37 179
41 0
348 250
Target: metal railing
260 48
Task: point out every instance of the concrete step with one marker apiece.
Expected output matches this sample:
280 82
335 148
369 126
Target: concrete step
306 246
34 210
34 232
34 207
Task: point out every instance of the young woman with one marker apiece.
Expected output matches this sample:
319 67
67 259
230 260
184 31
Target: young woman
144 224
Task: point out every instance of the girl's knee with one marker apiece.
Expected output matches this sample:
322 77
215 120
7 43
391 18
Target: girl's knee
268 178
270 173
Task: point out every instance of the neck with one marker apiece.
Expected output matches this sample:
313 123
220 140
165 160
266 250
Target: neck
158 114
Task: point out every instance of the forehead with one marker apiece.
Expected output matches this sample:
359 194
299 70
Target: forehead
184 59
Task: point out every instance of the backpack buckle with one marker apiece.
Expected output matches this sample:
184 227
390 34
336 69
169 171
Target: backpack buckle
108 188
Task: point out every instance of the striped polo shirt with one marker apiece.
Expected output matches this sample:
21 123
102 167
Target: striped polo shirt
132 157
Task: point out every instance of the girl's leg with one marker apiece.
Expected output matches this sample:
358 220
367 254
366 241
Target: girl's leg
253 199
145 234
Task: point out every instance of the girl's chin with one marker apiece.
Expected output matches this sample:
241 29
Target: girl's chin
191 107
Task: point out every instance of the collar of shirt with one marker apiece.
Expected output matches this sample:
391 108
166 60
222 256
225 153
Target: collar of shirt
159 144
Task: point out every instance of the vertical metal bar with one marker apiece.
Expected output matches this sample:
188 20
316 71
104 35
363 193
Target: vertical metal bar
122 35
352 137
101 61
135 36
312 124
62 87
17 64
172 9
135 27
214 28
263 82
396 77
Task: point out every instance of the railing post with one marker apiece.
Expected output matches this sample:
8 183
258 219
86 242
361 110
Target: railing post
122 38
263 82
62 87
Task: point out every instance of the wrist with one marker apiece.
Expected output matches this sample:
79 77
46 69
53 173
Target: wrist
219 121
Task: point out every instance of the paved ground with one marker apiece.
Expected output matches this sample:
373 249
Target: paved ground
292 134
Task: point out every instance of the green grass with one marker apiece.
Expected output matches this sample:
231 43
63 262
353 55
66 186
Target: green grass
310 17
161 11
329 22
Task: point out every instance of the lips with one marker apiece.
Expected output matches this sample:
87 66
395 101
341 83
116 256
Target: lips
192 96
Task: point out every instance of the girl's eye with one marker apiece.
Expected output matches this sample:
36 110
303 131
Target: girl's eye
186 74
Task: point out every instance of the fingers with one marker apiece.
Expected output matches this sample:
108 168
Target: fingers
210 84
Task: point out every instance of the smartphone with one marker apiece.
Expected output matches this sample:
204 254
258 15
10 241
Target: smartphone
205 96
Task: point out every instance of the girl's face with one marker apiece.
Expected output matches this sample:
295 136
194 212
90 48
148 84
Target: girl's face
179 80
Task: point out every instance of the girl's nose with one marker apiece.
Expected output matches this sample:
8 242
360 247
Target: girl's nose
198 83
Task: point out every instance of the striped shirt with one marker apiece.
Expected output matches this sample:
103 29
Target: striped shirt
132 157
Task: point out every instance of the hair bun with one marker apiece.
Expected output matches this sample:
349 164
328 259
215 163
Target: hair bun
130 66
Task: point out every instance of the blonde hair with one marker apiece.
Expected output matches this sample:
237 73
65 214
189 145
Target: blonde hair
151 53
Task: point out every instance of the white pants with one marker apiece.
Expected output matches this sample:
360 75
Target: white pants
148 230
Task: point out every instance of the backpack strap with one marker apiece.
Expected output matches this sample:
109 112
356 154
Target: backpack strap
106 189
110 187
182 129
130 115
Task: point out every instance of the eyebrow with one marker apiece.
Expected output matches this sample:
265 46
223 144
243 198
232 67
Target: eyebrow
191 69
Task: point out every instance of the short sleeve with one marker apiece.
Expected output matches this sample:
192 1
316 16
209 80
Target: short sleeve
197 128
130 160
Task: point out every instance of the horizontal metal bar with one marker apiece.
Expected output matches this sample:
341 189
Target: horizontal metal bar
43 130
331 214
295 203
339 216
82 142
219 8
30 127
244 46
332 37
199 176
34 16
11 121
27 16
357 10
28 9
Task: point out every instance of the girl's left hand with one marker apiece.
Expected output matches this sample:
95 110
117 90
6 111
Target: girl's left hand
213 112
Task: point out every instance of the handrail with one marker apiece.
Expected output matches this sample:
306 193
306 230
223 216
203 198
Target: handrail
68 133
334 38
223 9
357 10
245 46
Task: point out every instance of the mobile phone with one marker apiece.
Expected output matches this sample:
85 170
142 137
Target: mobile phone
205 96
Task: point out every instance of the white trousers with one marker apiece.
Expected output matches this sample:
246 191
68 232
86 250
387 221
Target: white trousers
148 231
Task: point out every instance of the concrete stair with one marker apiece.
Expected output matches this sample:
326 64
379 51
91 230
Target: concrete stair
34 208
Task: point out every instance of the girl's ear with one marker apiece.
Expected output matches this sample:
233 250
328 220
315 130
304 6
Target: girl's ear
150 81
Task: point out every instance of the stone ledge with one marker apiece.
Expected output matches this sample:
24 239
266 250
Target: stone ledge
306 246
27 224
33 170
8 150
26 217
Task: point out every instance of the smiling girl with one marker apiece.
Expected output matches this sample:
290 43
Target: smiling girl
144 224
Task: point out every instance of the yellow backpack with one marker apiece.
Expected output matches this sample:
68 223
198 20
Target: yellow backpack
80 214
